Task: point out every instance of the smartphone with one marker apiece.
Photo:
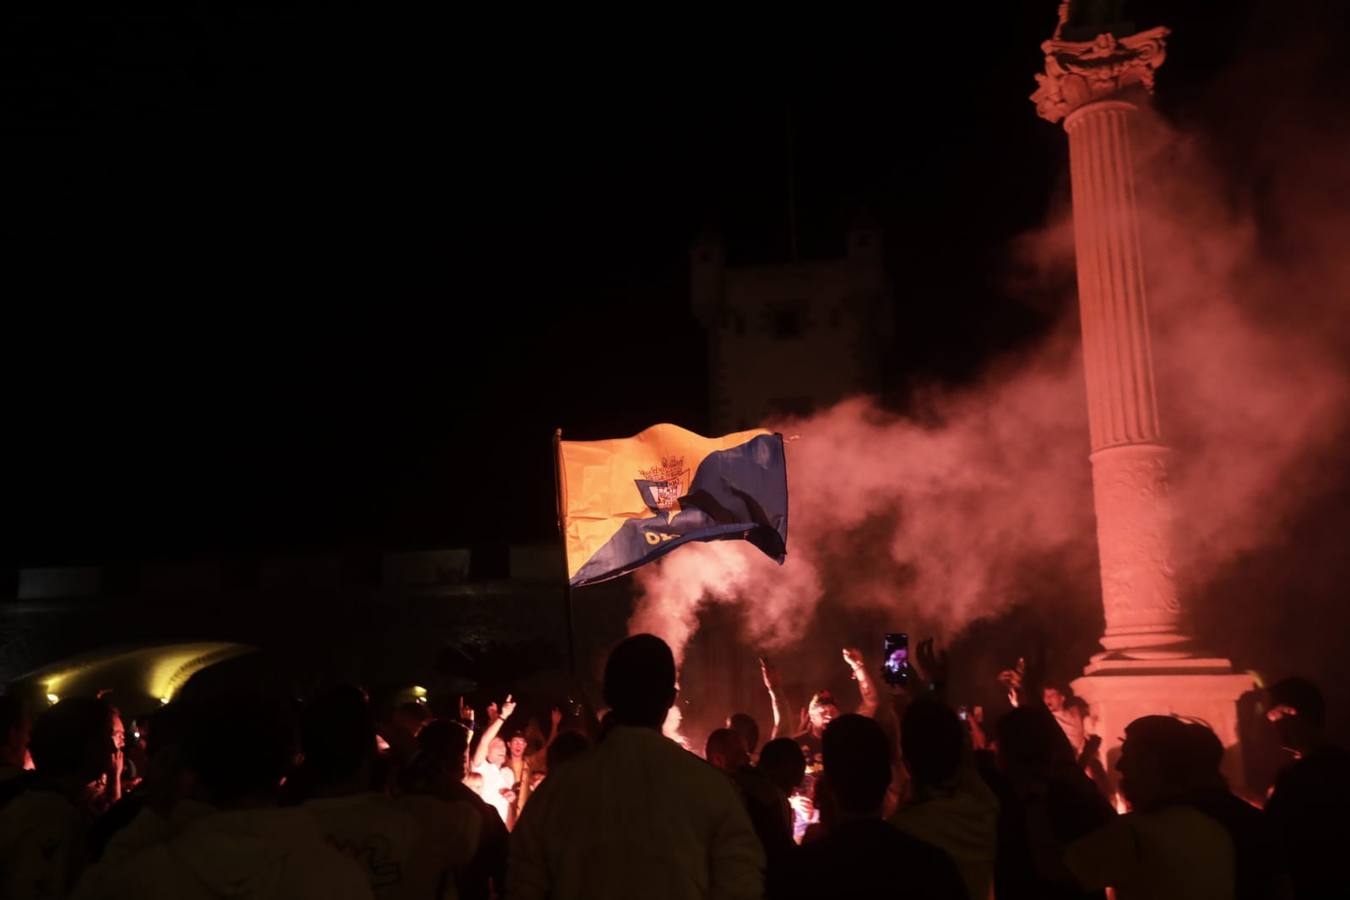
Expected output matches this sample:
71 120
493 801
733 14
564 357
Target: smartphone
895 658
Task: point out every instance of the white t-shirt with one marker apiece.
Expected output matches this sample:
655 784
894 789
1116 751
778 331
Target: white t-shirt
495 780
1175 853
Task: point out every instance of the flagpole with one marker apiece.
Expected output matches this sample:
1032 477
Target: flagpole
562 543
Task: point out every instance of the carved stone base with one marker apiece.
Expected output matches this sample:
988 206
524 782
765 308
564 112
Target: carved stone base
1120 691
1134 541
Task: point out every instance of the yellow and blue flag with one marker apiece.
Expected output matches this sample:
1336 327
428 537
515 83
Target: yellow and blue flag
627 501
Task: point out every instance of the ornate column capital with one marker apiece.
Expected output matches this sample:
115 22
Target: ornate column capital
1080 72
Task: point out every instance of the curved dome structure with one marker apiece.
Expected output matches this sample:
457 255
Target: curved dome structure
133 676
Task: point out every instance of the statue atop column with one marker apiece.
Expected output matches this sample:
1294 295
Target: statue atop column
1093 55
1083 20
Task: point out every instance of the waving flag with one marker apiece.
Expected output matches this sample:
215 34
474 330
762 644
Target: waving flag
627 501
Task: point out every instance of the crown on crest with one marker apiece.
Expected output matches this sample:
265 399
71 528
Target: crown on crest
671 469
666 479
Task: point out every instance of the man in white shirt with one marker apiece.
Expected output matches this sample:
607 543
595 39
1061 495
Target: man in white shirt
489 762
636 816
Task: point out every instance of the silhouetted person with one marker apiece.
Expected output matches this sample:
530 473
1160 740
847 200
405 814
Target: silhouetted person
782 763
725 751
412 716
1039 775
408 848
1310 804
765 788
952 807
437 773
745 725
765 804
1260 872
43 825
565 747
1164 848
237 750
637 816
861 855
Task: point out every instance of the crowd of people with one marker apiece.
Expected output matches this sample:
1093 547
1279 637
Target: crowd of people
242 796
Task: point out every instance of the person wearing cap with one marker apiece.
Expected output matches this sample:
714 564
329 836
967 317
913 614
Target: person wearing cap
820 712
518 764
822 708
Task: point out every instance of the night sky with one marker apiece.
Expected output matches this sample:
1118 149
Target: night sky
281 281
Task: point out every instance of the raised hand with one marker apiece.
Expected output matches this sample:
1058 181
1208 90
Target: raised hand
770 675
1013 680
465 712
508 707
1033 672
555 719
801 805
853 656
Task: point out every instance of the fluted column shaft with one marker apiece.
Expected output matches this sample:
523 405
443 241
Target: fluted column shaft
1129 459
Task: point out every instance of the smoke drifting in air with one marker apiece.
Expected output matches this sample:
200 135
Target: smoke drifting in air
936 521
982 496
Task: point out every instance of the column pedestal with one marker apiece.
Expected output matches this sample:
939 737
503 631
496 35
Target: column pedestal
1199 689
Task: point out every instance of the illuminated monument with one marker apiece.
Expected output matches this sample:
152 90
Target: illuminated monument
1097 75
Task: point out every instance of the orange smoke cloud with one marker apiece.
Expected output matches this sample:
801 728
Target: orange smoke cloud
1250 351
958 510
935 519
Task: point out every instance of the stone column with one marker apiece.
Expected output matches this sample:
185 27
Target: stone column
1148 665
1093 87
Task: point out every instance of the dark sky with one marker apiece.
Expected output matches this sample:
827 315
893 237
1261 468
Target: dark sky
282 280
